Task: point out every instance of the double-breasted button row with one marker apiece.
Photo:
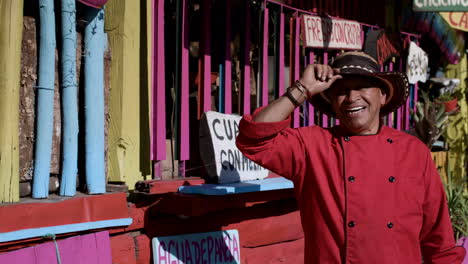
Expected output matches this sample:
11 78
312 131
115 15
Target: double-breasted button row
352 224
390 179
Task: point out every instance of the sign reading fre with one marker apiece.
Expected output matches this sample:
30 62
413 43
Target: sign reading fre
325 32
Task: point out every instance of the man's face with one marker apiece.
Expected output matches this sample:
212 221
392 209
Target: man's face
357 104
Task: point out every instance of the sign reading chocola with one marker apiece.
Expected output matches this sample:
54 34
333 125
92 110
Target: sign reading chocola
440 5
213 247
223 160
325 32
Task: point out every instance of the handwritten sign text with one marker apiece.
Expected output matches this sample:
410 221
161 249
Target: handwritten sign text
213 247
218 150
324 32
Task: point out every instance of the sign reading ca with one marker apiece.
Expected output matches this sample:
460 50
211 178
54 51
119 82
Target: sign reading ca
220 247
457 20
440 5
223 160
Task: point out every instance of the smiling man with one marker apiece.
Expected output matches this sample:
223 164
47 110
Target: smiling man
367 193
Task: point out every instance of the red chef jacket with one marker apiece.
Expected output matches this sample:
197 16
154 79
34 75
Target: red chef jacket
374 199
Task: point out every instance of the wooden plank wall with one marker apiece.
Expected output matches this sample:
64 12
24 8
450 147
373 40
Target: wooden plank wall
88 249
128 97
11 28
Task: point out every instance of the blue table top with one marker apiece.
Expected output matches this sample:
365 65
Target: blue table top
238 187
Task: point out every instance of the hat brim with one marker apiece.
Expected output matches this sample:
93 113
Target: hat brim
397 90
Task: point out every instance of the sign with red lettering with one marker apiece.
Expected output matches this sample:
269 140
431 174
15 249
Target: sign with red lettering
332 33
214 247
417 64
223 160
382 46
457 20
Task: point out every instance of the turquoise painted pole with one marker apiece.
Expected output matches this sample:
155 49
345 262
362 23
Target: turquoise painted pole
45 100
94 41
69 100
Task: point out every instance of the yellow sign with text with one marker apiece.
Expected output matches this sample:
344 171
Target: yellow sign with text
457 20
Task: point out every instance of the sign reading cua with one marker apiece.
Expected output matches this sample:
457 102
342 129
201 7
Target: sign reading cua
222 159
440 5
326 32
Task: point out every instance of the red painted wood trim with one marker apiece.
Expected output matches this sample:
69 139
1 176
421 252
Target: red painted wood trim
246 66
255 224
286 252
158 139
228 63
196 205
184 100
143 249
123 249
71 211
265 58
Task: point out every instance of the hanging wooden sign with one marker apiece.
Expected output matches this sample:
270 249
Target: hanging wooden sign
325 32
223 160
417 64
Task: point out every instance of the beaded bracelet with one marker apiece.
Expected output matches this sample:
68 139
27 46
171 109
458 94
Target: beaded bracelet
302 88
289 95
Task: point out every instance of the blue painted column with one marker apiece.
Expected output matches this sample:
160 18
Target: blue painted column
45 100
95 42
69 100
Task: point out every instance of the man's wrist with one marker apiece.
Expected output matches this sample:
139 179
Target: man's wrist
309 91
297 95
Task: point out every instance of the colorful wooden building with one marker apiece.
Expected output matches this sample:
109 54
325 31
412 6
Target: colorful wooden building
145 73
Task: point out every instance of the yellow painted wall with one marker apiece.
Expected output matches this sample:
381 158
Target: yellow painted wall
11 30
126 136
457 130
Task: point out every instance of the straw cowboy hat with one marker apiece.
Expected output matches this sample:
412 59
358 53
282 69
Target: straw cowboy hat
357 63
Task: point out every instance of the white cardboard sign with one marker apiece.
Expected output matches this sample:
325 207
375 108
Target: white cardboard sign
417 63
223 160
324 32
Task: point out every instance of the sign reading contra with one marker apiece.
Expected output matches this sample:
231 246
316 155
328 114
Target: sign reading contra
223 160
